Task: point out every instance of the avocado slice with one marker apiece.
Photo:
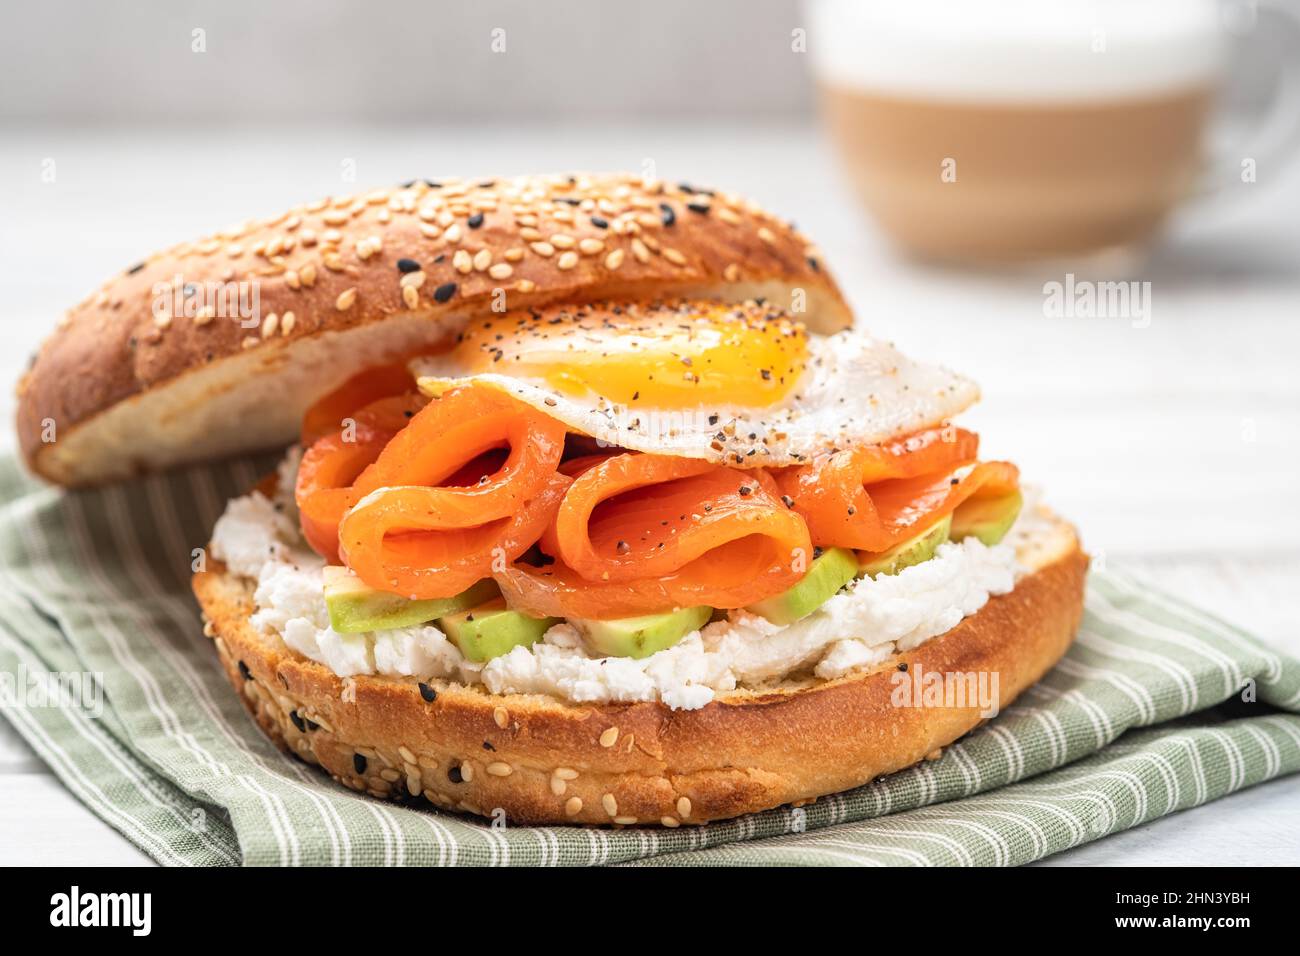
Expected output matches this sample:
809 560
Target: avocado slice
642 636
829 571
355 607
492 629
988 519
914 550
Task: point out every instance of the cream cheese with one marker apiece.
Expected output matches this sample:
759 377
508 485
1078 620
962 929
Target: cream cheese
864 624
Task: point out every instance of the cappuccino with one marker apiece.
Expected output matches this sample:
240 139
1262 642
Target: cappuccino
1015 130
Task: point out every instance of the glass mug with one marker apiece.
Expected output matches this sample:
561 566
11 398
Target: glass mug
1009 130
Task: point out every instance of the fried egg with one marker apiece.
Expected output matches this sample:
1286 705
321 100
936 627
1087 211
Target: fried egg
743 384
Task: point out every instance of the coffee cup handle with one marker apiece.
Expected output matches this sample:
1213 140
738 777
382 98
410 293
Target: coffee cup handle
1275 135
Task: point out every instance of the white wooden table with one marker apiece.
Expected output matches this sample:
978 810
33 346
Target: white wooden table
1175 447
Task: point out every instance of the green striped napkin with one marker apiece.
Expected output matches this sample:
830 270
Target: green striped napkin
107 675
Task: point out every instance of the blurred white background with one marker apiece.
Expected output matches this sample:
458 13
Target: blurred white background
1175 446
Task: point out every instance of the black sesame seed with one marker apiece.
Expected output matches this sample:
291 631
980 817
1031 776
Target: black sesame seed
600 222
444 292
475 220
428 693
686 188
746 491
713 419
432 184
666 214
623 547
407 265
902 665
298 721
568 200
408 184
817 553
311 724
244 671
700 207
816 267
787 501
487 745
487 184
135 268
766 373
359 763
454 775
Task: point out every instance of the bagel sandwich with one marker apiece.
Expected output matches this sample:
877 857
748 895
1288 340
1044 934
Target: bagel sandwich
596 508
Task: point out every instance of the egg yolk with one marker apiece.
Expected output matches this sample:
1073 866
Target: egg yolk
661 358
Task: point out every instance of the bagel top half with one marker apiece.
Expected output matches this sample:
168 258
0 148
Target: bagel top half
131 383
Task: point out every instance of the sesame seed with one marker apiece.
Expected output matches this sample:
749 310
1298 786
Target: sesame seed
406 754
542 248
501 717
614 259
766 235
270 325
590 247
346 300
205 315
728 216
609 737
675 257
640 251
452 234
359 764
700 207
413 280
558 786
625 821
291 279
670 822
308 275
249 341
566 773
444 292
610 804
411 296
731 273
463 262
561 241
573 806
567 261
482 259
407 265
428 693
499 769
667 216
600 222
525 285
683 807
389 774
287 322
467 772
332 261
514 254
475 220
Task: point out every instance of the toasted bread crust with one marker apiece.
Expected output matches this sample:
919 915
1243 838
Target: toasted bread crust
124 363
543 760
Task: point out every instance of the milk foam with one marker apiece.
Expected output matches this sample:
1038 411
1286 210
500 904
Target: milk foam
1017 50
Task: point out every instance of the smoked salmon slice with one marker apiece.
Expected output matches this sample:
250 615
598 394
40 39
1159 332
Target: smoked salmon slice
326 416
638 533
874 497
410 532
333 462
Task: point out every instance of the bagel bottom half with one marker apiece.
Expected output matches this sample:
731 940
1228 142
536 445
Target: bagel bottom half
544 760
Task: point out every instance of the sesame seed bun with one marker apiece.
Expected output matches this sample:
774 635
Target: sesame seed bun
544 760
129 383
